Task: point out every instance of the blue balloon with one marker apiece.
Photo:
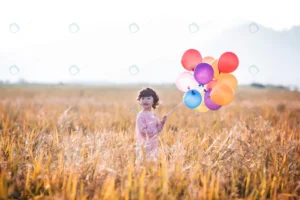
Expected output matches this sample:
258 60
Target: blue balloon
192 99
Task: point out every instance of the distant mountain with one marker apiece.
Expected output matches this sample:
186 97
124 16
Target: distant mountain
270 86
257 85
275 53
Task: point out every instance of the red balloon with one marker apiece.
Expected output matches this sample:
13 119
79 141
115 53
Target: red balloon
228 62
211 84
190 59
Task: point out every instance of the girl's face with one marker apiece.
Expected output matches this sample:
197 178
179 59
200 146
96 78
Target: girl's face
146 102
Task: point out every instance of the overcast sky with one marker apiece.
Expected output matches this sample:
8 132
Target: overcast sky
37 42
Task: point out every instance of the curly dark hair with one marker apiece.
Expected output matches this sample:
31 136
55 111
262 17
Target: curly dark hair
147 92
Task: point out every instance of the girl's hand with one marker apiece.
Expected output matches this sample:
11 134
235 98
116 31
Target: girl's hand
164 119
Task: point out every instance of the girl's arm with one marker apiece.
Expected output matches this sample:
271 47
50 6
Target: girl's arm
144 129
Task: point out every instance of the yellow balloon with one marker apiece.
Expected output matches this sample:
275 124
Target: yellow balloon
202 107
208 59
214 65
228 79
222 94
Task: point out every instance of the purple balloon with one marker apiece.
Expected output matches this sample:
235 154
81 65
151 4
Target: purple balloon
209 103
203 73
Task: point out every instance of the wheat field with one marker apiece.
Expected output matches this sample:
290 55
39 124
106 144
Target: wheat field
78 142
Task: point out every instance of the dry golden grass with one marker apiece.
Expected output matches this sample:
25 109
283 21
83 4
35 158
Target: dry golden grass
63 142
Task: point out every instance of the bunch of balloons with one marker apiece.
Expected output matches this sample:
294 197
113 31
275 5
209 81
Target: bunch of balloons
208 83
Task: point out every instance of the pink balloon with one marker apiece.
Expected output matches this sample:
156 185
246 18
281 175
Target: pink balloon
186 81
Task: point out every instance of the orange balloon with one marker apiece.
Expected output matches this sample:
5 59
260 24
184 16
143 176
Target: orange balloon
211 84
208 59
222 94
214 65
228 79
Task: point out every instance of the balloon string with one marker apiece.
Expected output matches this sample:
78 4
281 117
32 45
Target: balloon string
174 108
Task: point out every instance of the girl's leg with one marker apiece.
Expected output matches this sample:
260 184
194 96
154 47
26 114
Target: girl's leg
139 154
153 155
152 152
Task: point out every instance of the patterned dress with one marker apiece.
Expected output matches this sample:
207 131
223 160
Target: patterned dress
148 126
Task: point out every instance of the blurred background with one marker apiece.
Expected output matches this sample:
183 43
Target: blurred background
134 42
70 73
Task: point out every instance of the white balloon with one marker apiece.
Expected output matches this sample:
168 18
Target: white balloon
186 81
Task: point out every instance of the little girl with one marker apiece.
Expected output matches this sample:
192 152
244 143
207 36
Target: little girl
148 125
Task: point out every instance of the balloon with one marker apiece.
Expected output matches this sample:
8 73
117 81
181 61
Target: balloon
203 73
211 84
202 108
192 99
222 94
186 81
228 79
190 59
209 103
214 65
208 60
228 62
